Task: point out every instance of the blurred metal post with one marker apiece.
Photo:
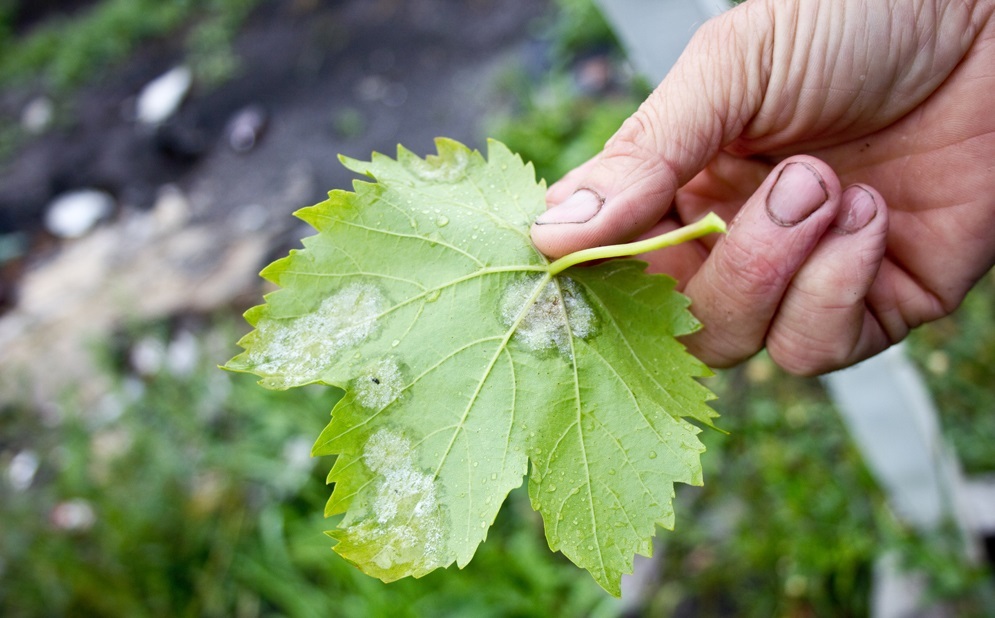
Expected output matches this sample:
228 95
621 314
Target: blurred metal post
894 423
655 32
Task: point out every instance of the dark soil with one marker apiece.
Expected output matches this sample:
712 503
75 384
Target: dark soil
347 76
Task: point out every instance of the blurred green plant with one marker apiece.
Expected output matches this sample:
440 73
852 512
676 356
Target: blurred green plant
552 120
65 51
791 509
578 27
957 356
348 122
558 130
790 522
7 11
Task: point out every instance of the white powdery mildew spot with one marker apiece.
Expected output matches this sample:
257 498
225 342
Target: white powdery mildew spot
379 385
405 522
437 169
298 350
560 311
386 451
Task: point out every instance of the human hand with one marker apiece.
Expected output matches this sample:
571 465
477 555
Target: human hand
852 146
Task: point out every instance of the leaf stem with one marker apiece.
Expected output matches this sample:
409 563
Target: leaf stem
709 224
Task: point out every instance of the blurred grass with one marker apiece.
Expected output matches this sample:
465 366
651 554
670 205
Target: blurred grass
790 522
557 129
553 121
957 358
63 52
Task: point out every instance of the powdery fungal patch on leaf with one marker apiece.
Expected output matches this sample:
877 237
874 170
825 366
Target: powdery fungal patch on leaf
295 351
548 319
444 169
404 523
379 385
386 451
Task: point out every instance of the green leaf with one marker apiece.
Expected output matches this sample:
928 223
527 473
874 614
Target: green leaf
464 358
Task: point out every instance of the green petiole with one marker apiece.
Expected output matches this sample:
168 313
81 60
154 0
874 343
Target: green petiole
709 224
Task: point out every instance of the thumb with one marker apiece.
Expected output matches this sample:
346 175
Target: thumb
702 105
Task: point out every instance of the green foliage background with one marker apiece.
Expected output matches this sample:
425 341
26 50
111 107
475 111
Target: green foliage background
65 52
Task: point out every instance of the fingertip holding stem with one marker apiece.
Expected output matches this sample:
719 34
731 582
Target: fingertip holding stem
580 207
711 223
798 191
857 209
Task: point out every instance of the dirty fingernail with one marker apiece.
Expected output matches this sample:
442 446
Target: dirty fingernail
798 192
578 208
857 210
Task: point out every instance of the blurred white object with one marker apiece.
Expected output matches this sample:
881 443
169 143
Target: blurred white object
246 127
73 214
298 464
37 114
161 97
73 515
182 354
22 469
148 355
250 218
171 211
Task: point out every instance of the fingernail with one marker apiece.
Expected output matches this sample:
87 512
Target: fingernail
858 209
798 192
578 208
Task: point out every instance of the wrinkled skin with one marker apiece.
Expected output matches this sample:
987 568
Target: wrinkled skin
889 105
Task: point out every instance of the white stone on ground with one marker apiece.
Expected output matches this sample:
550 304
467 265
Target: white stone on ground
73 214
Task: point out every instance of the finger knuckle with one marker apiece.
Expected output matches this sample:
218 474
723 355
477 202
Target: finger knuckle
802 361
800 352
751 274
636 138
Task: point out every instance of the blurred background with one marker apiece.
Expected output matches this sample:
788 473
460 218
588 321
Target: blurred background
151 155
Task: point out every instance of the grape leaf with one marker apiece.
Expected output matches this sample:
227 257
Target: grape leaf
463 358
